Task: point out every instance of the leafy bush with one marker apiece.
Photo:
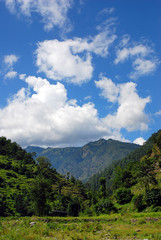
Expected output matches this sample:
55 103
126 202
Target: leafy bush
157 209
89 211
123 195
73 208
104 206
153 197
138 202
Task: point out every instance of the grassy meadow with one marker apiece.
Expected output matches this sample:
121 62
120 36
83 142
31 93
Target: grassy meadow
114 226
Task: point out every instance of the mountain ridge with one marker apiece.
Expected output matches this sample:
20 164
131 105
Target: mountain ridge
83 162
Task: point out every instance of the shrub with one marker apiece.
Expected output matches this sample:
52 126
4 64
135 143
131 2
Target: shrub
153 197
123 195
138 202
73 208
104 206
157 209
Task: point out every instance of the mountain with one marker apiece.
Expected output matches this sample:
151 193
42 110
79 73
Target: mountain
127 162
83 162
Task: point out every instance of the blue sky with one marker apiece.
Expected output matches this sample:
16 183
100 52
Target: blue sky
76 71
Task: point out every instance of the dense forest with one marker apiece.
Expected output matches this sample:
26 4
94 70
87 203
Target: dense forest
33 187
30 187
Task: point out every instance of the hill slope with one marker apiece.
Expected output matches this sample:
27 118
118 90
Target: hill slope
129 160
28 188
83 162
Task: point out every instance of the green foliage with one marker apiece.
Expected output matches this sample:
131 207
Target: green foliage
73 208
28 187
126 163
146 173
40 190
158 139
104 206
13 150
123 195
139 202
103 187
153 197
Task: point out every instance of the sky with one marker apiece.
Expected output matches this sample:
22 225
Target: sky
75 71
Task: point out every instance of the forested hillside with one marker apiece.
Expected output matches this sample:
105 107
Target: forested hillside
124 163
83 162
28 187
134 181
32 187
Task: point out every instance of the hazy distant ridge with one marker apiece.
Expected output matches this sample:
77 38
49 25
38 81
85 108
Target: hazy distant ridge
83 162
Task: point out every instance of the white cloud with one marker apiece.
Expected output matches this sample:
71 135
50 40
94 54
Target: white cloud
101 42
142 56
57 60
142 67
10 75
158 113
109 90
125 53
47 117
71 60
22 76
53 12
130 112
10 60
87 97
139 141
106 11
42 115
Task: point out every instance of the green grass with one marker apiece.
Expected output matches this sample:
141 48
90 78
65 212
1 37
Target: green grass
115 226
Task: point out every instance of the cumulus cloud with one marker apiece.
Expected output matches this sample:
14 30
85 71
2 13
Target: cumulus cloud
139 141
43 115
10 75
57 60
47 117
71 60
130 112
142 56
109 90
10 60
53 12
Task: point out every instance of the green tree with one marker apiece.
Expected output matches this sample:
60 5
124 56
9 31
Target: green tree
146 172
117 177
40 192
104 206
138 201
153 197
74 207
123 195
102 187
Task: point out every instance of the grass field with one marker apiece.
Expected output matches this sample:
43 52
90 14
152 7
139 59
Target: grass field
128 226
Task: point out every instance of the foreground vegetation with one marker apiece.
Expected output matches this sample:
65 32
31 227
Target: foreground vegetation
127 205
115 226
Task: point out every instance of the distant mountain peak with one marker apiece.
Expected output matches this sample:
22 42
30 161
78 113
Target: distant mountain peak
83 162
